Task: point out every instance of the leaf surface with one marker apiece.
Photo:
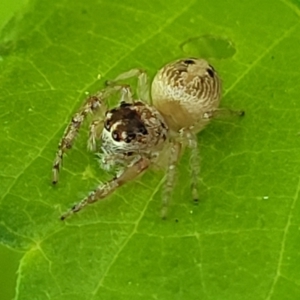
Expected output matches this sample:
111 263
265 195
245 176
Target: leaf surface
241 241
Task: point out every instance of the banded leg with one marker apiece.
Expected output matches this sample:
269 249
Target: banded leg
107 188
143 88
170 177
91 105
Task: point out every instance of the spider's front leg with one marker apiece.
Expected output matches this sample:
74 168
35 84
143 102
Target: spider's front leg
107 188
143 88
91 105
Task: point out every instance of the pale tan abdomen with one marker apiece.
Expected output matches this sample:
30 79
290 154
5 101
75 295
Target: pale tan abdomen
185 91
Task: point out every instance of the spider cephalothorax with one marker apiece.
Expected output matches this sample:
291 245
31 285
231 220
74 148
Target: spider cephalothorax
130 131
133 127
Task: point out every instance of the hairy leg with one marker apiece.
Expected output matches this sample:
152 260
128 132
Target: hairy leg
143 88
194 163
223 113
170 177
94 134
92 104
107 188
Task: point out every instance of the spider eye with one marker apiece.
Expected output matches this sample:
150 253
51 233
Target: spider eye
130 136
143 130
116 136
107 125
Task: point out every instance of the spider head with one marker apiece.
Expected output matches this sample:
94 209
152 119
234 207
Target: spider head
133 128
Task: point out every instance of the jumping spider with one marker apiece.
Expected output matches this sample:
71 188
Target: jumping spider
185 96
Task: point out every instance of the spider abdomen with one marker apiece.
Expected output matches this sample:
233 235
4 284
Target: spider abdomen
184 91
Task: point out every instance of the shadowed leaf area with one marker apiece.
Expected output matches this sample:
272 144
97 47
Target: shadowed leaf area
240 242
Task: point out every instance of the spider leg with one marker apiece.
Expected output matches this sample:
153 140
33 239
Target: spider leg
193 145
219 113
94 134
126 94
223 112
143 88
123 89
194 163
91 105
170 177
107 188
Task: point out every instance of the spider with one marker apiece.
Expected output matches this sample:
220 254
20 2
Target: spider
139 133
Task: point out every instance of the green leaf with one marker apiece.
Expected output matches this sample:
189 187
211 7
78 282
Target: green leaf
241 241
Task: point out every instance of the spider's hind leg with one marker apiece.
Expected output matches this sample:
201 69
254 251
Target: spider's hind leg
170 177
194 163
223 113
